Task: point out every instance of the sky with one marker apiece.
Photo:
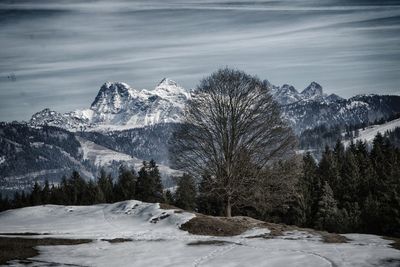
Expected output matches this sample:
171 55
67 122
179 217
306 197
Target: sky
57 53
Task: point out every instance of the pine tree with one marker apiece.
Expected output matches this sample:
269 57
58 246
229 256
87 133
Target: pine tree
155 175
185 195
4 203
105 185
169 197
46 193
366 172
311 186
35 198
207 202
350 179
126 184
148 186
77 187
327 215
328 169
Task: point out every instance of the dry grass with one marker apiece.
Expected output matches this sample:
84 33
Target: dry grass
219 226
223 226
209 242
18 248
117 240
25 234
396 242
166 206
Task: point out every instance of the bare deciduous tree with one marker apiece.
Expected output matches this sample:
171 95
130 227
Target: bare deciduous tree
231 130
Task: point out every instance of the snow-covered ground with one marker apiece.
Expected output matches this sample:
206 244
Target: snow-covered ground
369 133
102 156
156 240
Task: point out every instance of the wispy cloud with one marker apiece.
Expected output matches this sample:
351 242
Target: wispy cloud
62 51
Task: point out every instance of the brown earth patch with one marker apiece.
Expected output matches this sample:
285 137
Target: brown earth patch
25 234
396 242
209 242
224 226
117 240
18 248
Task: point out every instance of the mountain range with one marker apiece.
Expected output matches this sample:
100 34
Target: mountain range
118 106
125 125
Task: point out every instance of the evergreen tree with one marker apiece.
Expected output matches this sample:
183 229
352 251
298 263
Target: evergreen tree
350 178
105 185
35 198
328 169
366 172
125 187
207 201
46 193
148 186
76 187
327 214
311 187
93 195
4 203
169 197
185 195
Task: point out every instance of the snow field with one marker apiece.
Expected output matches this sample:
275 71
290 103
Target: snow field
156 240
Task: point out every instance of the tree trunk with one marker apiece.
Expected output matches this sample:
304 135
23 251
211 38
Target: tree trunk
228 208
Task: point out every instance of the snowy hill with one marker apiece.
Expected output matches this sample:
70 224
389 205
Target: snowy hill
133 233
368 134
101 156
29 154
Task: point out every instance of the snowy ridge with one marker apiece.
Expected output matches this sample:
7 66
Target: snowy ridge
287 94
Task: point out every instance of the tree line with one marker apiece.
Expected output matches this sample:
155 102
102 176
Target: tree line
75 190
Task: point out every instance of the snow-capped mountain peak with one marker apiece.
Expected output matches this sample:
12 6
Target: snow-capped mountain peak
165 82
289 89
286 94
119 106
54 118
112 97
313 90
169 88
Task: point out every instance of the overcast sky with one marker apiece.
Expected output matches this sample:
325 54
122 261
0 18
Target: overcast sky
57 53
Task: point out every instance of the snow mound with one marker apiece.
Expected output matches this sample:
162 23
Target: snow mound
129 219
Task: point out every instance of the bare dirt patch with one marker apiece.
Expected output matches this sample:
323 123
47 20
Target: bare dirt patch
18 248
166 206
117 240
223 226
396 242
279 229
219 226
25 234
209 242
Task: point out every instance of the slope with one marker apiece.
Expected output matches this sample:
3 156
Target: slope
133 233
